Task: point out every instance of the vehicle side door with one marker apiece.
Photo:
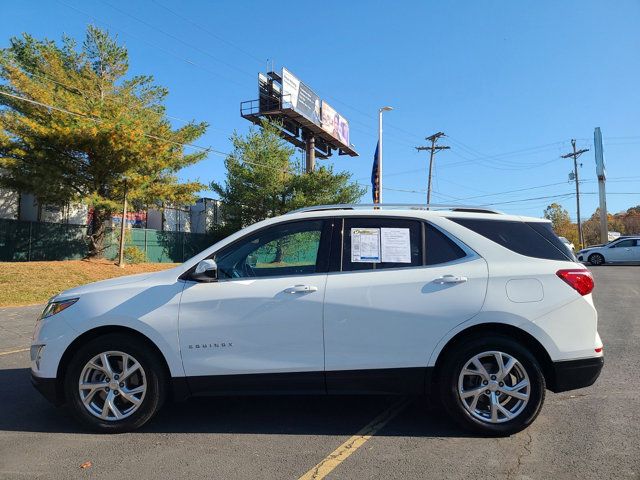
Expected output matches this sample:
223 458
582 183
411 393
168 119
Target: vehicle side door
621 251
258 328
383 318
635 251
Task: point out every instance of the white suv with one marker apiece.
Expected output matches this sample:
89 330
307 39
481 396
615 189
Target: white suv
479 309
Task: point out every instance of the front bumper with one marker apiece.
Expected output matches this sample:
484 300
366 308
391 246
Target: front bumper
572 374
49 388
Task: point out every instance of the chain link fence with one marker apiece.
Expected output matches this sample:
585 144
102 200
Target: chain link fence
36 241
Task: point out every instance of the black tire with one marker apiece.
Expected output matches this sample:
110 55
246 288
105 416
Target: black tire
596 259
152 366
451 369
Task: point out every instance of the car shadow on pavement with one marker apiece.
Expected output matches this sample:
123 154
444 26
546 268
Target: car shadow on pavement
23 409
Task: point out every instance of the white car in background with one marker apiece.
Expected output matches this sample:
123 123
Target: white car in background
624 250
569 244
481 310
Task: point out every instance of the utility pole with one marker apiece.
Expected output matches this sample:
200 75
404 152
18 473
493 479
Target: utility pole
575 155
433 149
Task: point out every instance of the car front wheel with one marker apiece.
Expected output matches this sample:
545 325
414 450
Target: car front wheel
596 259
114 383
492 386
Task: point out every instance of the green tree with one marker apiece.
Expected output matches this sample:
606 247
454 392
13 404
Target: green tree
117 139
264 181
558 215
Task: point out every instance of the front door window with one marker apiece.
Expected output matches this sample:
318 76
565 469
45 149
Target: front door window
283 250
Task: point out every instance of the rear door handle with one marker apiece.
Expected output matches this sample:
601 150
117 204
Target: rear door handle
450 279
301 289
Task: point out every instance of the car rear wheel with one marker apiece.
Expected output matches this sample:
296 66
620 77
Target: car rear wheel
492 386
596 259
114 383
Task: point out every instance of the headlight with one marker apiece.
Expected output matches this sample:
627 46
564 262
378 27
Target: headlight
56 307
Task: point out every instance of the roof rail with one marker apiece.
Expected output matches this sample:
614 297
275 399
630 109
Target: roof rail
399 206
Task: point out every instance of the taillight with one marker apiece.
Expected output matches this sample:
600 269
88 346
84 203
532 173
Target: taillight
580 280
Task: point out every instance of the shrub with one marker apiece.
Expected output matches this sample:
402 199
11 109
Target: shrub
134 255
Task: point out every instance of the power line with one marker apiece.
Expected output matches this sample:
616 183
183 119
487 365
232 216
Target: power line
176 38
207 31
149 135
79 91
164 50
369 131
564 195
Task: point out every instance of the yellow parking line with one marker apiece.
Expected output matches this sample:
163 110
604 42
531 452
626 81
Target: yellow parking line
14 351
345 450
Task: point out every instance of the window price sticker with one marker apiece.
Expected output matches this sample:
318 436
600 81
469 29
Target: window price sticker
396 245
365 245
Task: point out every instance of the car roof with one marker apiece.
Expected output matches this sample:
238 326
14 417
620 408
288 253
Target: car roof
408 210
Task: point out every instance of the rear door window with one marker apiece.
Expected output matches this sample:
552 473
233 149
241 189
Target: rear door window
532 239
399 243
440 248
624 244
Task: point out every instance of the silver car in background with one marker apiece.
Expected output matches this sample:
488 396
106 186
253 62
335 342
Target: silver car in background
623 250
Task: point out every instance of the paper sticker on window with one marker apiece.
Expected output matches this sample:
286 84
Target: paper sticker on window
396 245
365 245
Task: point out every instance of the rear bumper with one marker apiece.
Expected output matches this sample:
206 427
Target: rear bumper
48 387
572 374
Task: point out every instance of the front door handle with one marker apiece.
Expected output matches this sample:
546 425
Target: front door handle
301 289
445 279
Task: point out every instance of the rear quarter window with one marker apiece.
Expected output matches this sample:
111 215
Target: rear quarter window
526 238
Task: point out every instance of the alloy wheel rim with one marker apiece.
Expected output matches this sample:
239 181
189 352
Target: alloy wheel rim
112 385
494 387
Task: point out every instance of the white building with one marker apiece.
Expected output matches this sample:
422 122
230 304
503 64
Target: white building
197 218
26 207
205 214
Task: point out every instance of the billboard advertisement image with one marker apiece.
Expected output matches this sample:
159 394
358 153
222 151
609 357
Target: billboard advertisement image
302 99
335 124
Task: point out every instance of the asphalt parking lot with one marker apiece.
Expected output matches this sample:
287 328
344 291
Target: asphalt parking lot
589 433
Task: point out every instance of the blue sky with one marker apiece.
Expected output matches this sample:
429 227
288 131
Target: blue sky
509 83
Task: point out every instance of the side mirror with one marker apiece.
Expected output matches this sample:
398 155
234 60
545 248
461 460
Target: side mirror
206 271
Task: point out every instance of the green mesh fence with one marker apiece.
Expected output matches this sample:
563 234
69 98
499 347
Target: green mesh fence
36 241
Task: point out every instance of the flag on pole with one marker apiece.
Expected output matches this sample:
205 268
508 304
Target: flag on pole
375 176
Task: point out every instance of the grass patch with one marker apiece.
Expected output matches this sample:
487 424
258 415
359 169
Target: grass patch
26 283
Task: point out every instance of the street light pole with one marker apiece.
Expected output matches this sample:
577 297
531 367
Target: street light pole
383 109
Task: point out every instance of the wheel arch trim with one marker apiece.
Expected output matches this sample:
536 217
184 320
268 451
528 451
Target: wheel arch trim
462 332
100 331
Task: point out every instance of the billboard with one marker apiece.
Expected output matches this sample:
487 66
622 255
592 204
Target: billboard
597 143
335 124
301 98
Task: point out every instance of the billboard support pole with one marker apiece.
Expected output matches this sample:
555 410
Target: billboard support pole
311 154
600 172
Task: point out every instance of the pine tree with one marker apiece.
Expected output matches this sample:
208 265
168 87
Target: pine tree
117 138
264 181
